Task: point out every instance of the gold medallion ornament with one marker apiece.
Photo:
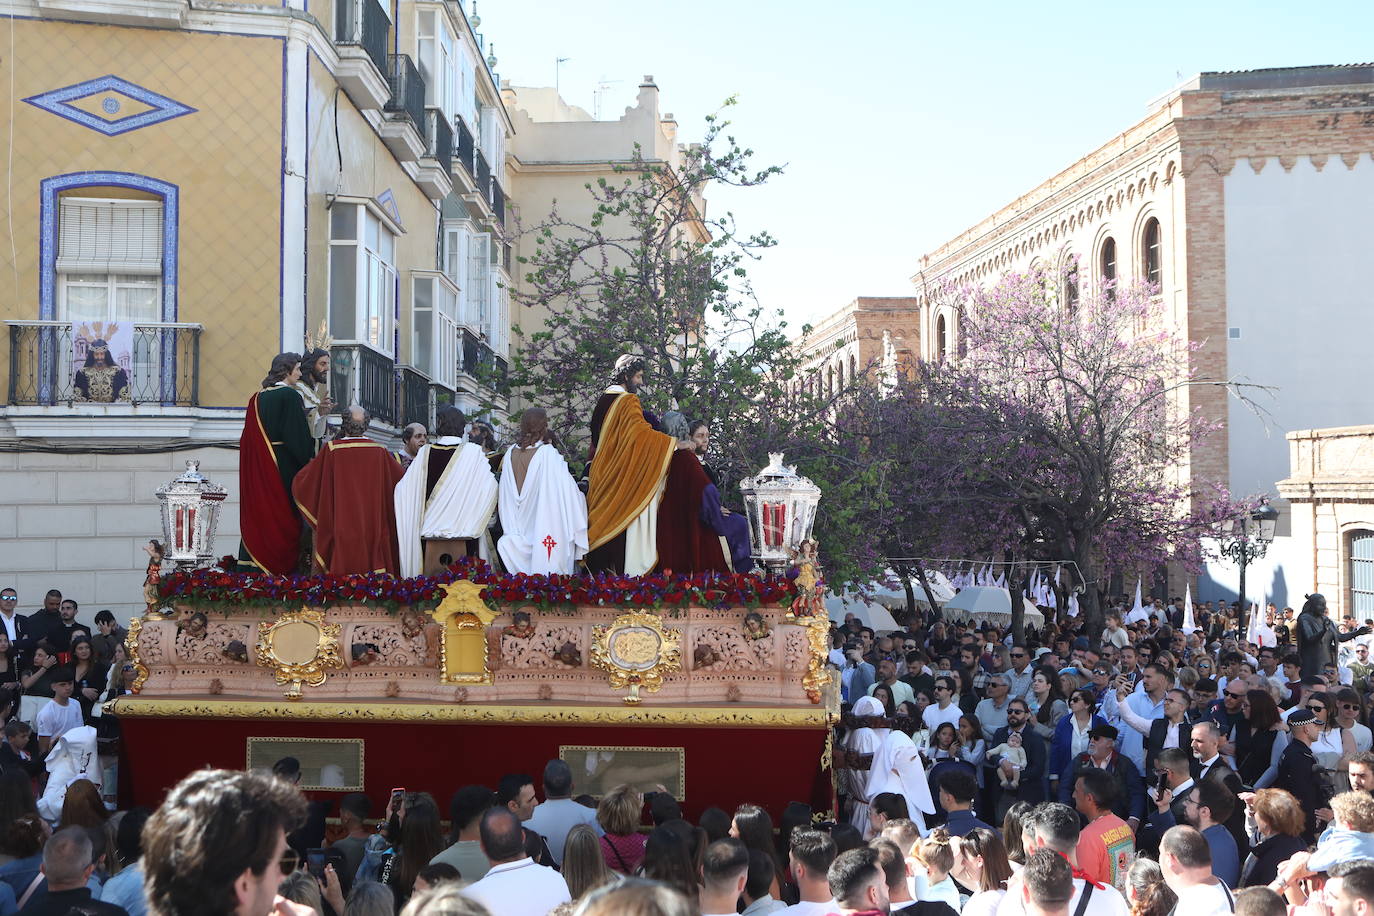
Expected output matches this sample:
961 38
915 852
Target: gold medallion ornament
464 618
299 646
636 650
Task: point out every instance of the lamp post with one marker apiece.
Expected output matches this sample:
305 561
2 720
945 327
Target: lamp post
781 506
1253 534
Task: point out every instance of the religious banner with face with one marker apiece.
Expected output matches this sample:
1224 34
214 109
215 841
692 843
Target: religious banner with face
102 354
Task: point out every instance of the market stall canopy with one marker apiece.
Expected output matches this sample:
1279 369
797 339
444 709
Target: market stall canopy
981 602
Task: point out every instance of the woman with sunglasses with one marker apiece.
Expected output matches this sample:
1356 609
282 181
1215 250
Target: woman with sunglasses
1071 734
1259 765
981 865
1350 714
1333 742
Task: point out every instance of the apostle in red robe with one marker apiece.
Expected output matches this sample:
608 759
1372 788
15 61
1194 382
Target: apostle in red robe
347 495
687 543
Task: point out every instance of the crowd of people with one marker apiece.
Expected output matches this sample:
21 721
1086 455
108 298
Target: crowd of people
1157 769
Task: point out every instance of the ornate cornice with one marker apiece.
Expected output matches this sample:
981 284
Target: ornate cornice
478 714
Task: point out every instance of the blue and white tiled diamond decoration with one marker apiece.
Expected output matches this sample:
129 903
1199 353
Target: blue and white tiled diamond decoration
113 94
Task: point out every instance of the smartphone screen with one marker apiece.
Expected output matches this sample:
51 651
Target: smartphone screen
314 862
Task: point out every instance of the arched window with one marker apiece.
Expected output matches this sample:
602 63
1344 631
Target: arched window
941 339
1109 267
1362 574
853 369
1071 287
1151 252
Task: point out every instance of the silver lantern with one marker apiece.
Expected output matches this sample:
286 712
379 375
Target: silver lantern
190 514
782 508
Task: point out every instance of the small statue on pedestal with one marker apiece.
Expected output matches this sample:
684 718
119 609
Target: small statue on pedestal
153 575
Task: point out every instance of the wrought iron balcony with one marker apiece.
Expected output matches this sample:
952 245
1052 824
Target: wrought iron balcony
366 24
158 364
467 146
440 138
483 176
407 90
416 399
498 204
360 375
479 362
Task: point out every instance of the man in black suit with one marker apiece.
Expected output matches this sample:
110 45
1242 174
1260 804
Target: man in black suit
1031 787
16 626
1209 765
45 622
1174 724
1171 784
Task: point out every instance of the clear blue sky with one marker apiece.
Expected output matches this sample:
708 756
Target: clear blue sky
900 123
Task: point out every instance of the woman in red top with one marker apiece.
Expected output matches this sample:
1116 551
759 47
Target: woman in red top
618 815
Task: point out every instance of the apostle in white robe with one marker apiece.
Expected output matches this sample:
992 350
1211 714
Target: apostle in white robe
543 513
864 742
897 767
447 493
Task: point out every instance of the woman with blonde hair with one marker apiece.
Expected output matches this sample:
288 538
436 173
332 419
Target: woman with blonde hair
584 868
935 852
618 814
1274 822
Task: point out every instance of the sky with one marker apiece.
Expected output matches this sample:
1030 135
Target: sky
899 124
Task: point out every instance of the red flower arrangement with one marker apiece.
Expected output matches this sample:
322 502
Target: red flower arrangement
220 586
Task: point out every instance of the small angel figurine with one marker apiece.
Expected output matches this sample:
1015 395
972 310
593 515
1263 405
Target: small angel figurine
755 627
521 627
704 657
153 575
568 655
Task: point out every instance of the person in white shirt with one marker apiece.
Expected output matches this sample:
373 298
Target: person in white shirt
1186 860
944 709
1055 827
1114 634
515 885
858 882
559 813
887 676
1046 884
724 871
61 715
809 861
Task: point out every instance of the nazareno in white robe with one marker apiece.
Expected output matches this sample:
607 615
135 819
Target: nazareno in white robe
862 741
543 523
460 506
897 767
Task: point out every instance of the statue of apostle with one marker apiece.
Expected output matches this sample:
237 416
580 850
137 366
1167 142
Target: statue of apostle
347 494
1317 636
629 464
448 495
274 446
543 513
694 533
314 373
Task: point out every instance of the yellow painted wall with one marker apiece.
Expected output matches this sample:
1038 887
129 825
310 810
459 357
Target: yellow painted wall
225 158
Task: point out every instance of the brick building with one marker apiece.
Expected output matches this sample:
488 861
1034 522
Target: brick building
872 334
1245 196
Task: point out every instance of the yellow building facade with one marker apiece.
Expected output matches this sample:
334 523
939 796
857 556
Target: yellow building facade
196 187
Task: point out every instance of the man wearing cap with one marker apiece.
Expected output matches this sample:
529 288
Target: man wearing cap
1297 769
629 462
1129 800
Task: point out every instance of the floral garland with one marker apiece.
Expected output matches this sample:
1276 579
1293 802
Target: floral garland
220 586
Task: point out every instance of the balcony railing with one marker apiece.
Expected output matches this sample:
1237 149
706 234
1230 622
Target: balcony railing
483 176
498 202
158 364
479 361
407 90
364 23
467 146
415 398
439 138
360 375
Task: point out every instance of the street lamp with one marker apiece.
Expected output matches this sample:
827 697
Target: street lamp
1253 535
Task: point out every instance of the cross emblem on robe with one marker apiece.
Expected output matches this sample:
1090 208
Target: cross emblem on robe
549 544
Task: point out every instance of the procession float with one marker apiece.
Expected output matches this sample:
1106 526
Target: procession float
438 681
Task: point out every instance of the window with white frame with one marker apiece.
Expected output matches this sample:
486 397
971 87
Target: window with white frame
438 62
476 302
362 277
435 322
109 260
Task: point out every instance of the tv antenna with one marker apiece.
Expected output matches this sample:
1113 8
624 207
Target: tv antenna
601 86
558 63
